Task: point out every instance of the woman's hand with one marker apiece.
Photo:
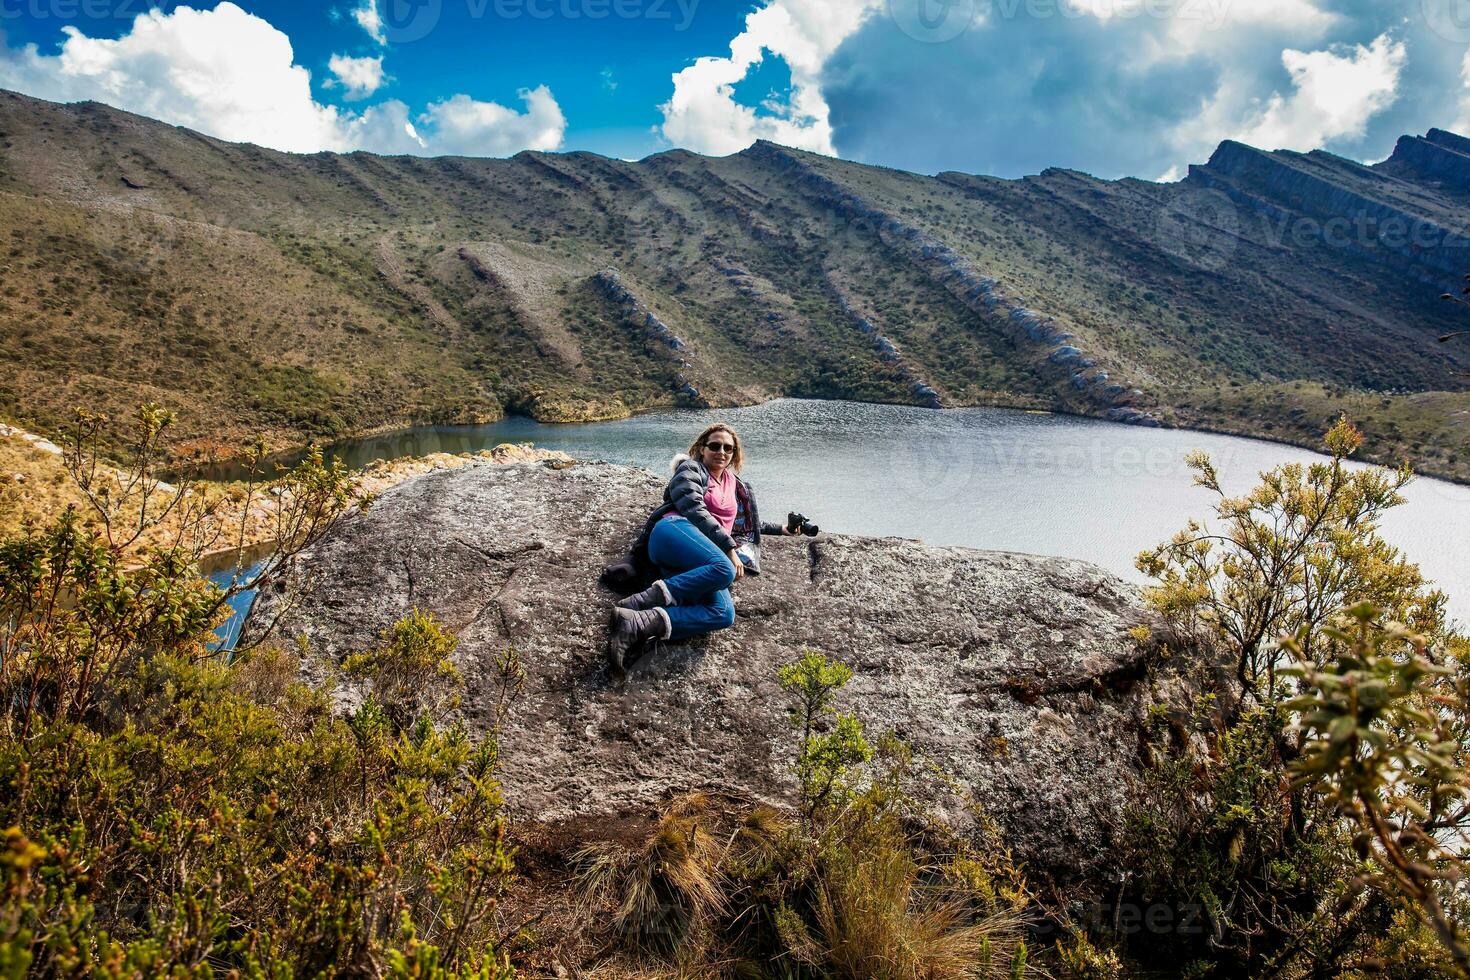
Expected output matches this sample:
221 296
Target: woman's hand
739 565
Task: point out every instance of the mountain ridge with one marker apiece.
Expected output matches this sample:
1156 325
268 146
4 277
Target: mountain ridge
316 295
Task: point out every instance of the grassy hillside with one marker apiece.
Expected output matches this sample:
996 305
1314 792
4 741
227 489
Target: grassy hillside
308 296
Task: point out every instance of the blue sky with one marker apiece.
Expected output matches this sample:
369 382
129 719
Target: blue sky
609 74
1113 87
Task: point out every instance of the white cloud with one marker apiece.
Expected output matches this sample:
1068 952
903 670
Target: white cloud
1335 94
221 71
359 77
231 74
1217 25
367 17
1462 124
703 114
462 125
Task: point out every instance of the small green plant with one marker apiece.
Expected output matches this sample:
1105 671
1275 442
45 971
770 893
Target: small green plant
411 671
1081 959
827 757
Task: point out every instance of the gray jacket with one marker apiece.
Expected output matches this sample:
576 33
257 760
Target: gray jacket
685 495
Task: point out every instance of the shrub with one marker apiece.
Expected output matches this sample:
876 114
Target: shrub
825 758
1297 804
190 823
1287 557
171 813
411 673
1386 728
1081 960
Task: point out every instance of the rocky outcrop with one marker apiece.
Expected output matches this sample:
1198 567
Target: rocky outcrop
1350 206
1014 674
527 288
1448 140
38 442
980 294
634 309
637 315
1437 156
889 353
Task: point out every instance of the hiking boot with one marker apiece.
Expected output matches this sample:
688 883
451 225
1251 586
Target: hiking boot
655 595
627 628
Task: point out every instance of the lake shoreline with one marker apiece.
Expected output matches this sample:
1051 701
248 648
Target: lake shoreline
1040 483
389 430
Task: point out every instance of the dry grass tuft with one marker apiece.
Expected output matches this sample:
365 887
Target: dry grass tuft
663 891
881 914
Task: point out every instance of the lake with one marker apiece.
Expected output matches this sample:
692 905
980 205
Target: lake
985 478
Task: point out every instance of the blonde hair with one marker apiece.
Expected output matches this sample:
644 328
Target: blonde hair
737 459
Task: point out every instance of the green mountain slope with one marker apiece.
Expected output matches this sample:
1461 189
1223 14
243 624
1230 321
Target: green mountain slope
309 296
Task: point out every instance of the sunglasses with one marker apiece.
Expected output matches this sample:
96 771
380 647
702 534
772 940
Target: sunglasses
720 447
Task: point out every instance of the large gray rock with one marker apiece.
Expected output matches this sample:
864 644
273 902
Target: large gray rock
1013 673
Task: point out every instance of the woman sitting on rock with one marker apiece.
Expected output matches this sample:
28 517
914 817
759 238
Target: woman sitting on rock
704 536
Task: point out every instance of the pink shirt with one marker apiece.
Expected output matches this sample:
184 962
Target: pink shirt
720 499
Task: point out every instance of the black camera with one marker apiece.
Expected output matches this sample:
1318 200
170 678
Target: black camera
795 522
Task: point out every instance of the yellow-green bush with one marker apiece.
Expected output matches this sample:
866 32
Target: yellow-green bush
1302 809
186 823
167 813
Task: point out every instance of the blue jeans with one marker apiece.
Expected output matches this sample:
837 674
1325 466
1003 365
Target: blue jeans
698 575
